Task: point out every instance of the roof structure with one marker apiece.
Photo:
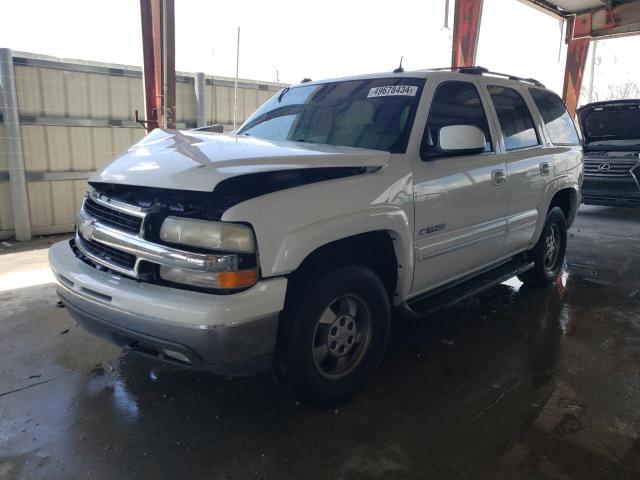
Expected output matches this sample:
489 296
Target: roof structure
572 7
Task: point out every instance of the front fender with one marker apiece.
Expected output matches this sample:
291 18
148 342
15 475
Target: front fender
291 224
300 243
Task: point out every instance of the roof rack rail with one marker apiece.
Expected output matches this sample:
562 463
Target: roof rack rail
477 70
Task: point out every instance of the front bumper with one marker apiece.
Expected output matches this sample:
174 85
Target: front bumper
227 334
615 192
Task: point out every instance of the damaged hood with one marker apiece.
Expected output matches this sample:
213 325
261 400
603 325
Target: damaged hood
189 160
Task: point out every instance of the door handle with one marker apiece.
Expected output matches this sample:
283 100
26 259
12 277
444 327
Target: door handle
498 177
545 168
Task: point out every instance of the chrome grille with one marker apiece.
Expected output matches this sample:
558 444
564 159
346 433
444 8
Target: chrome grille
109 233
112 217
110 256
603 167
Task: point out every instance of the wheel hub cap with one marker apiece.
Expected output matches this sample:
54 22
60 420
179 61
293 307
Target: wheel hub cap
342 335
551 248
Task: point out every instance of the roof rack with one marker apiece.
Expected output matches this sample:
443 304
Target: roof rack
476 70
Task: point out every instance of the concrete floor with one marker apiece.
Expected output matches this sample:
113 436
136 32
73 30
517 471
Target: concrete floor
516 384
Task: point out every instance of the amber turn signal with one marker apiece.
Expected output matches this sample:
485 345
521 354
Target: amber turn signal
241 279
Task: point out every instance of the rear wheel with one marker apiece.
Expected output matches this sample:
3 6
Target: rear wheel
334 335
548 254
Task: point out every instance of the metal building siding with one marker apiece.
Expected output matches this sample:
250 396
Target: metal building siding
4 155
119 95
185 103
63 199
34 147
58 148
81 148
78 94
122 139
136 97
65 110
102 146
99 95
224 102
40 204
28 90
79 189
54 93
6 220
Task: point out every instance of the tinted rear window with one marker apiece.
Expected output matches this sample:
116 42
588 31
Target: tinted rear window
515 119
556 117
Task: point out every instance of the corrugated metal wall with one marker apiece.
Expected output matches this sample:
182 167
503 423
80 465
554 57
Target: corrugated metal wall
76 116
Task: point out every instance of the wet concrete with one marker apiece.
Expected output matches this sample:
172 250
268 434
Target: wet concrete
515 384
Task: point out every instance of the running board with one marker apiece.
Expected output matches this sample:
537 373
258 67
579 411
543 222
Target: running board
451 295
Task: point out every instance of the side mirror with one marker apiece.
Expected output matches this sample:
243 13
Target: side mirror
216 128
461 140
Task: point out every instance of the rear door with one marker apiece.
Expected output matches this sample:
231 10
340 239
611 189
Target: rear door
529 163
460 201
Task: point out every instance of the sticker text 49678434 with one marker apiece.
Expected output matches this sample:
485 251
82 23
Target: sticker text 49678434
393 90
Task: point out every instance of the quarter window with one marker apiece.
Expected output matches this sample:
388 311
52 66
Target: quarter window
515 119
454 103
560 127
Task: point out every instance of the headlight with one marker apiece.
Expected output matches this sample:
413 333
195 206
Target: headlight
219 280
229 237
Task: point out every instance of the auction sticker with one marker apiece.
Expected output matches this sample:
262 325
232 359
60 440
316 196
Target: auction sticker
407 90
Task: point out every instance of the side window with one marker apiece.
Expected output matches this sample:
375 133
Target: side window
515 119
454 103
559 124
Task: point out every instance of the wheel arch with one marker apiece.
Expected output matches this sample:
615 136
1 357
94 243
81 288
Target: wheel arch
567 200
563 193
375 249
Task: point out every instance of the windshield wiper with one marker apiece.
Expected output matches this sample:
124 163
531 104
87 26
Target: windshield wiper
283 93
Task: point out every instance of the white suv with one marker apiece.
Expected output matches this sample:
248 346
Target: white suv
285 246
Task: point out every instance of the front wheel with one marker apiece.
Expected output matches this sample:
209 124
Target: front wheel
334 335
548 254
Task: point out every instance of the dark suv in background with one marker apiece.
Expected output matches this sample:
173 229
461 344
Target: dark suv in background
611 132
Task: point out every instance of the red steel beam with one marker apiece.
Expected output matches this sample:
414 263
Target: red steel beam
151 15
151 48
171 64
577 50
600 22
466 29
623 19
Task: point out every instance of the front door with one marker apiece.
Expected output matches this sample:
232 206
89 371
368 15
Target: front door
460 201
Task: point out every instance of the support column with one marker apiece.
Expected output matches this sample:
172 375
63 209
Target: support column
200 85
577 50
13 142
466 30
158 51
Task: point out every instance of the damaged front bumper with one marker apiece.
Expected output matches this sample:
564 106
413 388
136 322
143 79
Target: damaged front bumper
227 334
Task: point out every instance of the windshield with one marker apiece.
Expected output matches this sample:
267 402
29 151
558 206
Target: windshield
611 125
372 113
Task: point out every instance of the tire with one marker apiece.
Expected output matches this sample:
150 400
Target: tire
333 335
548 254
